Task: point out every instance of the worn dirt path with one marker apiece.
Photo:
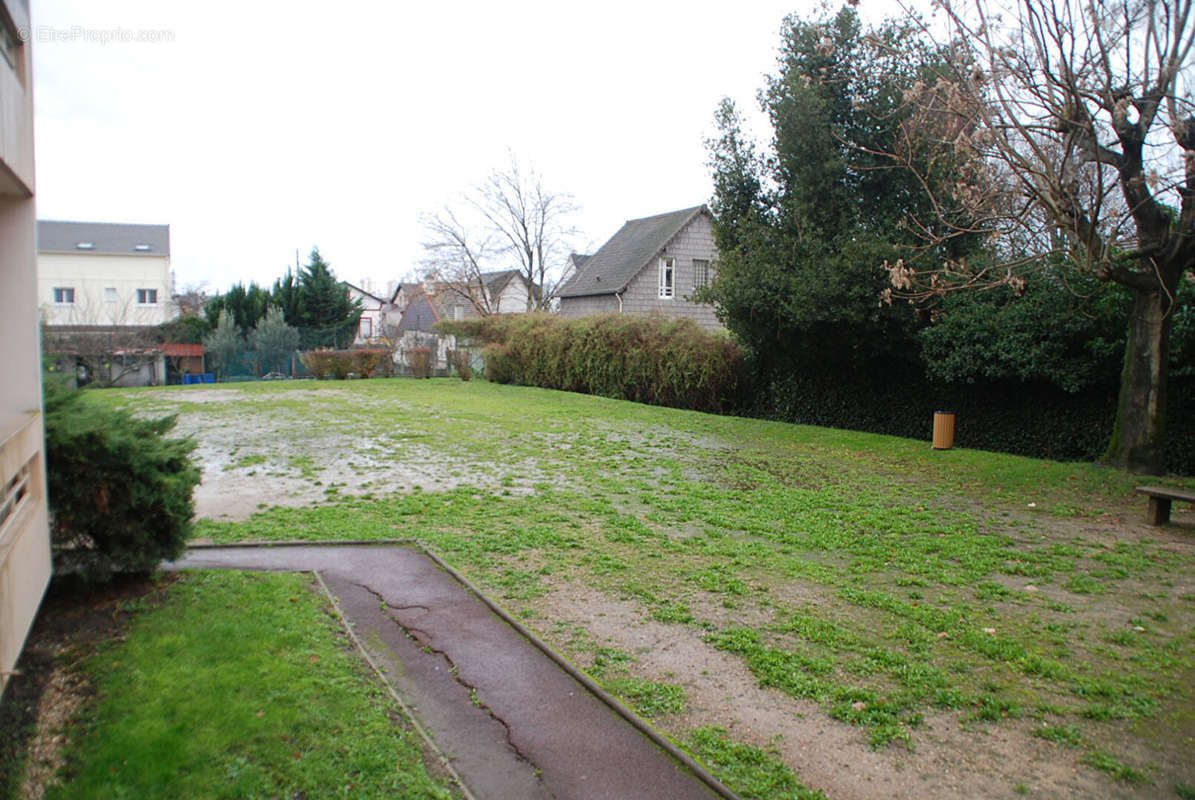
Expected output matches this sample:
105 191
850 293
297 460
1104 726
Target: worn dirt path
512 723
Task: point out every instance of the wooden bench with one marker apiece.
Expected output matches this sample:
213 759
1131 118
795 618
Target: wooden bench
1160 498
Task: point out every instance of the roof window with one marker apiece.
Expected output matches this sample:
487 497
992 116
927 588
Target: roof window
141 247
85 245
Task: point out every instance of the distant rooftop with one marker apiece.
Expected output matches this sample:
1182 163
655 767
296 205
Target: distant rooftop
109 238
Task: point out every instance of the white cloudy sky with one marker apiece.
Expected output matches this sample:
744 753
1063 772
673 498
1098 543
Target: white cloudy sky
259 128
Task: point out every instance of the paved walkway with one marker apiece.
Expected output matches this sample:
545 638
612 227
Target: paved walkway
511 721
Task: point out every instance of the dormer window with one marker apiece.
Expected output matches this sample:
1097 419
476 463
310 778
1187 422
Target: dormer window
85 246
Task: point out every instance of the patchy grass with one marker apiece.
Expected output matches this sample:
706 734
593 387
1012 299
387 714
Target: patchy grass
1113 766
748 771
247 461
239 685
650 699
1061 734
885 581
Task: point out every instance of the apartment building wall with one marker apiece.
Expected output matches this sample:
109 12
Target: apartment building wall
24 521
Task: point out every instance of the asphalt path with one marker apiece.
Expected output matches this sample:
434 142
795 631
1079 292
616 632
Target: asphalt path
511 721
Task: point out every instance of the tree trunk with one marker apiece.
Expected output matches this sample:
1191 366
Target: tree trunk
1138 439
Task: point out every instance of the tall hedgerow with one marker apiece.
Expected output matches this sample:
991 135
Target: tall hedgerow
657 360
120 491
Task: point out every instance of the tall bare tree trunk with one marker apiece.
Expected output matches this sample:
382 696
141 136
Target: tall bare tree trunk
1139 438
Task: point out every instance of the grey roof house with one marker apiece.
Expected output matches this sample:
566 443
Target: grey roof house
111 238
652 265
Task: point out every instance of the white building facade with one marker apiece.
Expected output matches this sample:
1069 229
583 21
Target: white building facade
99 273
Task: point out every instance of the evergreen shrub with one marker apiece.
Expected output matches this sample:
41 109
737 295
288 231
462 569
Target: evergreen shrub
462 362
420 359
340 364
366 361
317 363
120 490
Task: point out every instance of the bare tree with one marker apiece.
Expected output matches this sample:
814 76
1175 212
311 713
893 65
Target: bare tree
1073 125
192 298
509 220
105 342
104 354
390 337
458 254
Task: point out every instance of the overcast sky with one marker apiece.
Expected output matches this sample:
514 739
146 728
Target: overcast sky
255 129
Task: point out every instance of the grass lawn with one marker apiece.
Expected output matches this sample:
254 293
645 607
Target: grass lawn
237 685
909 607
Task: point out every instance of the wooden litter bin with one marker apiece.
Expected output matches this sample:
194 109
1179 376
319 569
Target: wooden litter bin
943 430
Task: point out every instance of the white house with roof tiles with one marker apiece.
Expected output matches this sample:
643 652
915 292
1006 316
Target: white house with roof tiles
653 265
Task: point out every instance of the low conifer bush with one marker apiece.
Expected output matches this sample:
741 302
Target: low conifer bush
120 490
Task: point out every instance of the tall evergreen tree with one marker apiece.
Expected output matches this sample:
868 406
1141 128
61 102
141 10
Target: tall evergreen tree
286 296
246 305
328 317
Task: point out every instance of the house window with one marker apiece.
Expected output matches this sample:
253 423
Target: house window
701 273
110 294
458 312
64 295
147 297
667 277
366 327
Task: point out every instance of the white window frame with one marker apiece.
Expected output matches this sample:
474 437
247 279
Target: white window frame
64 295
150 295
110 295
366 327
667 278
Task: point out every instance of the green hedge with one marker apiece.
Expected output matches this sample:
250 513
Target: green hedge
675 363
657 360
1031 419
339 364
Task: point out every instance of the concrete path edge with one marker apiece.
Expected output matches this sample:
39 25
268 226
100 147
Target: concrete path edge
441 756
700 772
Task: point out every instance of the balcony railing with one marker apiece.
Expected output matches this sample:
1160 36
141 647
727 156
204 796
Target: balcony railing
24 533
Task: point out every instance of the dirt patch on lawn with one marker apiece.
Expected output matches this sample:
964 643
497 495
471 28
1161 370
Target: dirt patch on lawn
947 759
246 468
